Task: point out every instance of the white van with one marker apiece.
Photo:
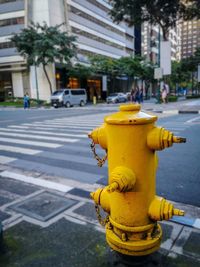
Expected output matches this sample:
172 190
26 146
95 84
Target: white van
69 97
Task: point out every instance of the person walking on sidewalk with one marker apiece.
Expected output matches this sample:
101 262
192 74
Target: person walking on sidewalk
164 94
26 101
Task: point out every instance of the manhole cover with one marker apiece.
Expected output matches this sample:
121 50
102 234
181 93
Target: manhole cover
44 206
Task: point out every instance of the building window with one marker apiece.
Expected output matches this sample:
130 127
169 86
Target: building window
96 38
13 21
94 20
97 4
7 45
7 1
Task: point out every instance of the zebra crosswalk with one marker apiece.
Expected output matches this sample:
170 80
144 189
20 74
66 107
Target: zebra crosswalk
60 147
57 147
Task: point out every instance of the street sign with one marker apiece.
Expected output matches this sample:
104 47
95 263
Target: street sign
165 57
158 73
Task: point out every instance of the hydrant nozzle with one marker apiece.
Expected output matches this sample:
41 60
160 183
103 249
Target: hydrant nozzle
178 139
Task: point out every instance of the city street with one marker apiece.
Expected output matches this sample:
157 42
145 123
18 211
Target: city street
54 143
47 171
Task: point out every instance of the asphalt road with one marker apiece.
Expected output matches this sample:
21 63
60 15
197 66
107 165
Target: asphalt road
36 141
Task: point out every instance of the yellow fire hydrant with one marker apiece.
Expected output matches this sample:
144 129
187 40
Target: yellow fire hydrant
131 139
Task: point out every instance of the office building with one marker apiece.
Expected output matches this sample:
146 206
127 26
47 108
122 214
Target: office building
87 19
190 37
151 36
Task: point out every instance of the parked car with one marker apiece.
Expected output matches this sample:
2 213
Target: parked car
69 97
116 98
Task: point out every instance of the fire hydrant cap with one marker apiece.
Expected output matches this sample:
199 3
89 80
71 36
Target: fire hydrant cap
130 114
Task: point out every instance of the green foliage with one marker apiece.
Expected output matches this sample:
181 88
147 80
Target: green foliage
172 98
41 44
80 71
160 12
192 96
191 63
180 74
104 65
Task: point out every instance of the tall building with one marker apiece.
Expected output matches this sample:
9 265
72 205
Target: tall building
87 19
190 37
13 76
151 36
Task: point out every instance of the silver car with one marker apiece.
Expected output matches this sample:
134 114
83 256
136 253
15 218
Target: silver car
116 98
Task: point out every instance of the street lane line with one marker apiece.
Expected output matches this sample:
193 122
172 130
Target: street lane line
191 222
19 150
81 124
56 126
194 119
40 137
36 181
32 143
18 126
5 160
197 224
44 132
69 157
48 128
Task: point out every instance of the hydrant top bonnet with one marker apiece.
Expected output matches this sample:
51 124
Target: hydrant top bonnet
130 114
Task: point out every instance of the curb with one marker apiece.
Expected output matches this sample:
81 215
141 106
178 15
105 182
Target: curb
190 222
186 221
177 111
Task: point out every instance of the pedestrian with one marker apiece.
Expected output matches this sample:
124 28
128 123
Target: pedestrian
141 95
132 96
164 94
26 99
167 90
137 94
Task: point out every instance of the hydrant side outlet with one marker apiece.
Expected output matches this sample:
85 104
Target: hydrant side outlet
131 139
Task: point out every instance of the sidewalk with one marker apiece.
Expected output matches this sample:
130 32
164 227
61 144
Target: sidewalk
48 228
181 106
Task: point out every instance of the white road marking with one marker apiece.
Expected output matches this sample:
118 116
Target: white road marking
40 137
194 119
19 150
197 224
5 160
32 143
36 181
44 132
57 126
47 128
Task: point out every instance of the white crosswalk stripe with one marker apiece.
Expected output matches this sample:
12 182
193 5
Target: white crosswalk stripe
21 150
45 132
5 160
32 143
47 128
58 153
40 137
54 125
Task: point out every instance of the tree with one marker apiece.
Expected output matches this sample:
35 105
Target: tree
80 71
41 44
157 12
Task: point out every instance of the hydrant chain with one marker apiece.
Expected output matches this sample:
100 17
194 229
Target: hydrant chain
102 221
99 160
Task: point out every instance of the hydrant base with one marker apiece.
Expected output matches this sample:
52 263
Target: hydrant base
134 248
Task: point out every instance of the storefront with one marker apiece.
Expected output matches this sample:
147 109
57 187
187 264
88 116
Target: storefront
6 88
